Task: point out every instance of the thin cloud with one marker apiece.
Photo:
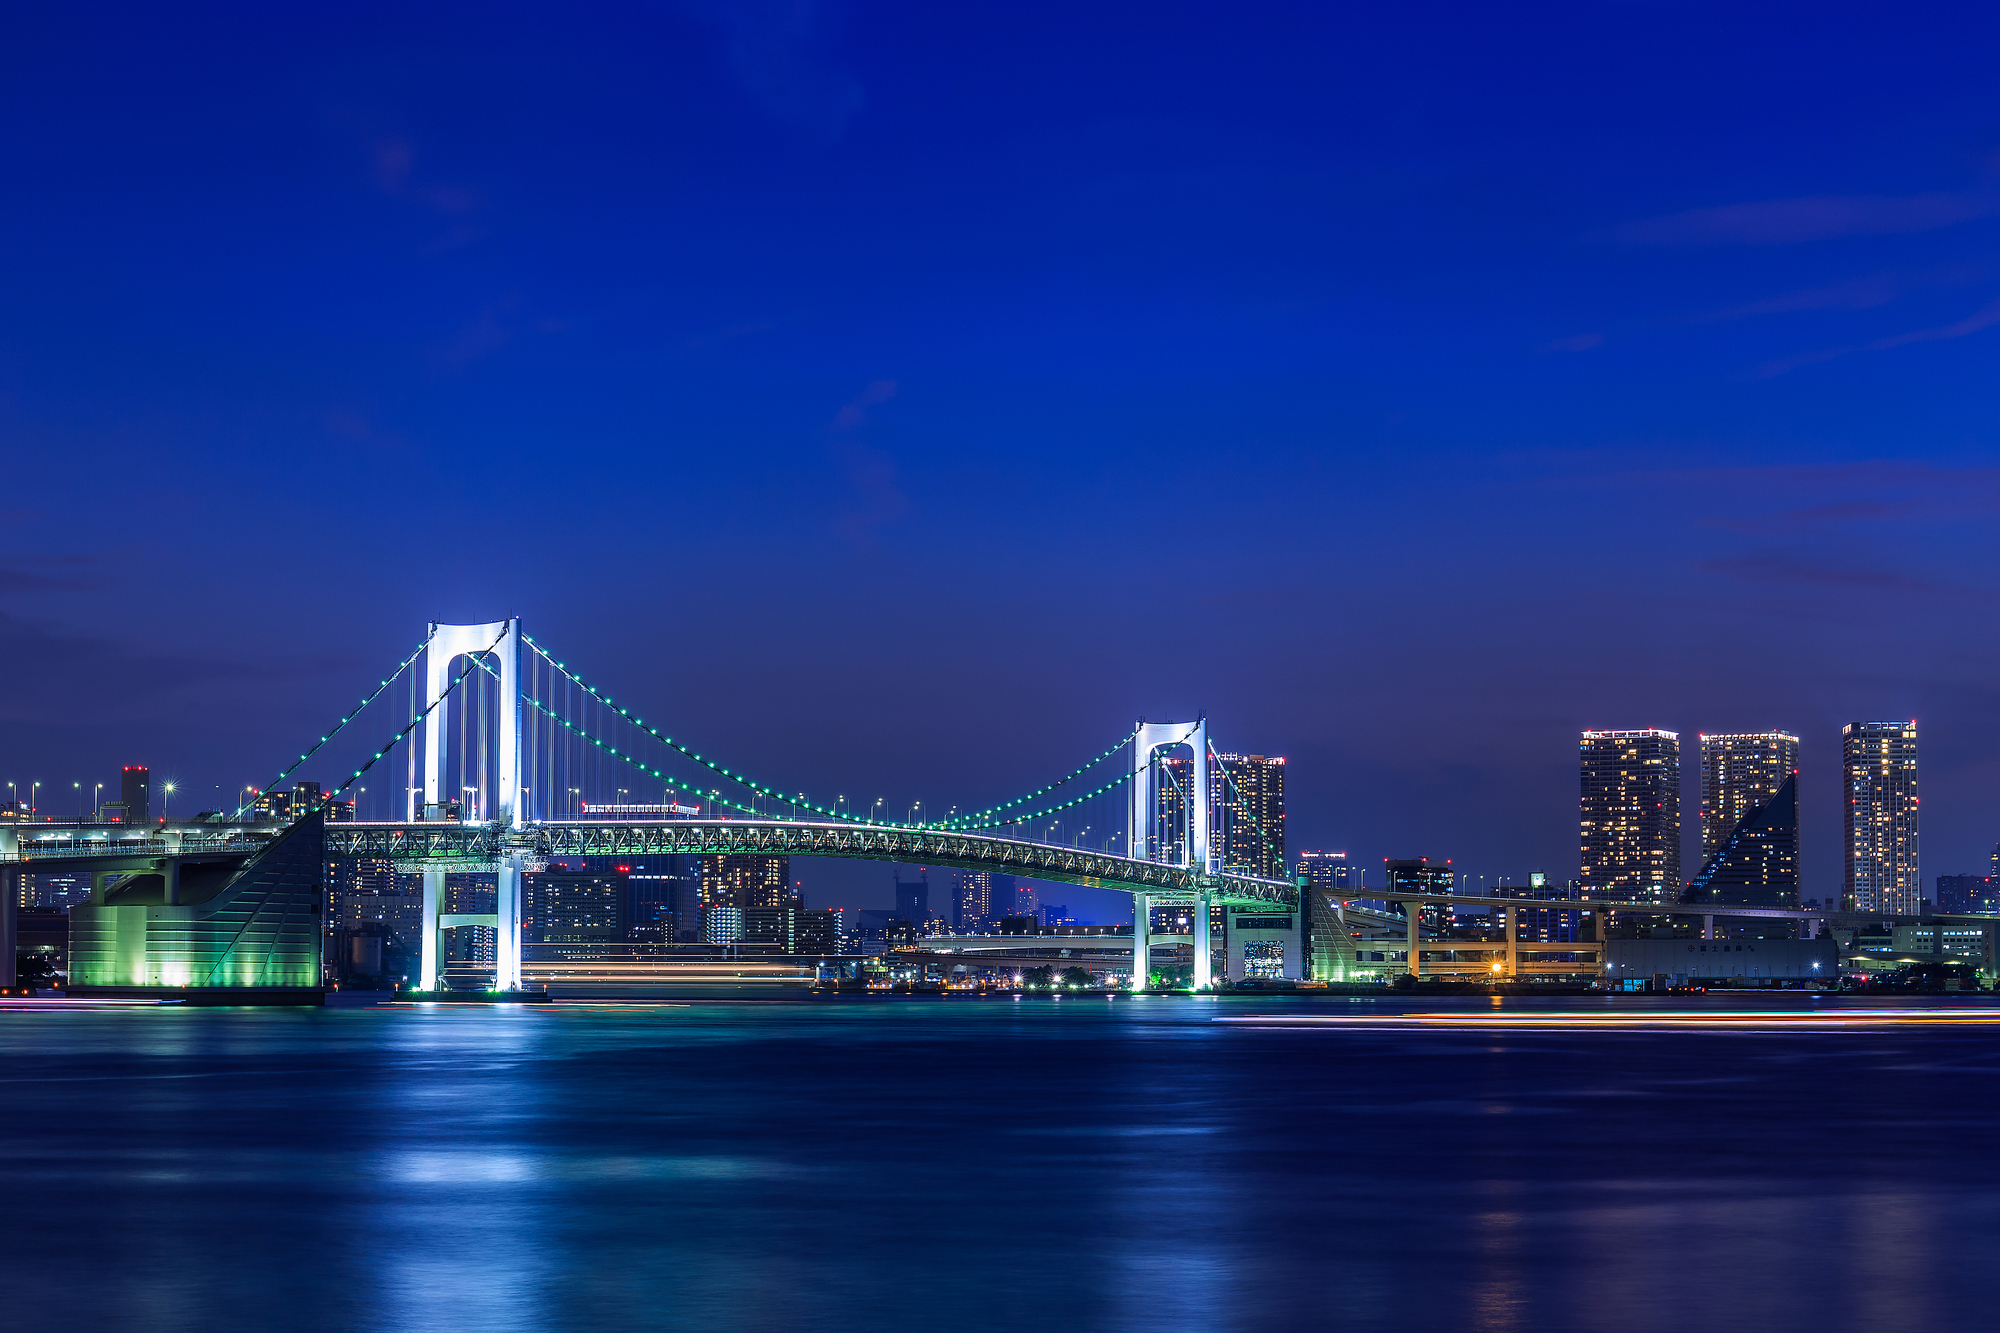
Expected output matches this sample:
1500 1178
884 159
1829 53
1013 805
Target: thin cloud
856 412
1780 567
1821 217
1578 342
1979 320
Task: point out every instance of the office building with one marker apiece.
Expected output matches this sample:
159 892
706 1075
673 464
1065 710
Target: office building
913 899
1251 795
135 791
1422 875
721 924
1739 773
1544 925
1326 870
1879 769
1631 814
793 929
579 906
1968 893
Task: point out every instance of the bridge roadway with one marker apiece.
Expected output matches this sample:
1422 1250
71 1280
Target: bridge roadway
475 847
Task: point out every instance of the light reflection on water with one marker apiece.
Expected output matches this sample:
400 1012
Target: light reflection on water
847 1164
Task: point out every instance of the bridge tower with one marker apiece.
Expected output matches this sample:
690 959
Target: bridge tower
500 639
1199 850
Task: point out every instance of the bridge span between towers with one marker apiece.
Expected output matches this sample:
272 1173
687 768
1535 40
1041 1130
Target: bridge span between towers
497 753
473 847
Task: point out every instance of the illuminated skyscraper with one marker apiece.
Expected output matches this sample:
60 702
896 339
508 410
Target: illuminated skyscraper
1739 774
1631 814
1252 799
742 881
1879 764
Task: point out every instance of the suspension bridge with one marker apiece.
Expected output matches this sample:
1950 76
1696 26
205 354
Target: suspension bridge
506 750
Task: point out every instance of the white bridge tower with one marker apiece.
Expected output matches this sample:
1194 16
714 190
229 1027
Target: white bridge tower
1148 841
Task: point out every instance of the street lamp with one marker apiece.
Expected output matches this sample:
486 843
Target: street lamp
33 787
98 796
166 795
79 801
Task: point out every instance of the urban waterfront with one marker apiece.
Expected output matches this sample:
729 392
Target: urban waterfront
1130 1163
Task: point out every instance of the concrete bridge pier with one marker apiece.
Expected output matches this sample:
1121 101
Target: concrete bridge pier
427 965
1203 950
1415 912
1513 942
1142 941
11 881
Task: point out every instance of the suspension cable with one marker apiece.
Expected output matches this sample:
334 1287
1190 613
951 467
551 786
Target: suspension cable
335 731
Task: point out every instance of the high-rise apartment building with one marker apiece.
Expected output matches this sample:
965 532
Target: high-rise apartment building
1739 773
1251 797
983 899
742 881
1631 814
1879 768
1749 825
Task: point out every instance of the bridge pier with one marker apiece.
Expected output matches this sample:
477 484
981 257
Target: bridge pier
427 965
1415 911
507 925
12 880
1204 957
1142 941
1513 943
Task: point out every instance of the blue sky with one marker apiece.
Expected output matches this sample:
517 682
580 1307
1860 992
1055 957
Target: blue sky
1407 387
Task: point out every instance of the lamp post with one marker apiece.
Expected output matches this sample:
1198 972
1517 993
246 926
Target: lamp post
79 801
97 797
33 788
166 795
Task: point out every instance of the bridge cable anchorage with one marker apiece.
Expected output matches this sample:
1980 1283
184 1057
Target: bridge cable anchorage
393 676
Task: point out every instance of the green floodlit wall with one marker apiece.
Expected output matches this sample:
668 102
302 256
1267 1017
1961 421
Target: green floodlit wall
262 928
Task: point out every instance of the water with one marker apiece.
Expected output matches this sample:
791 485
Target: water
859 1163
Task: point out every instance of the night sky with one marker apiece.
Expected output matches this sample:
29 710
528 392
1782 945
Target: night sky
903 398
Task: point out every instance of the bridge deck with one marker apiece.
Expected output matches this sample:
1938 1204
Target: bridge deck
476 846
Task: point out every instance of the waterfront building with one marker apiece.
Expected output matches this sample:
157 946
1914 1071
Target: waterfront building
1631 814
792 928
1250 792
1757 864
579 906
1739 774
1879 765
